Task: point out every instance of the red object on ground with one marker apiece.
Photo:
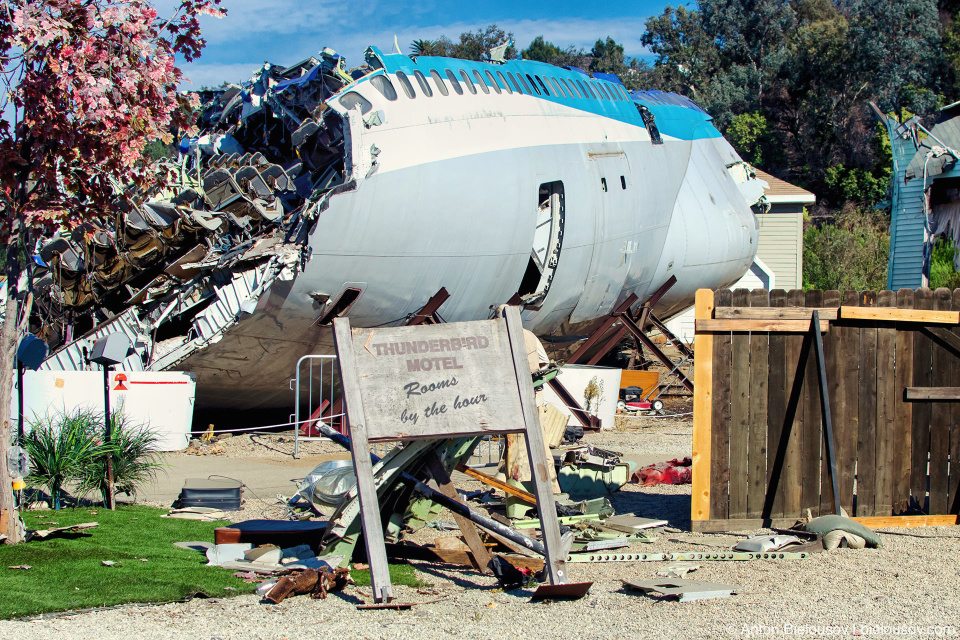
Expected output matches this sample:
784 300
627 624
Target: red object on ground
672 472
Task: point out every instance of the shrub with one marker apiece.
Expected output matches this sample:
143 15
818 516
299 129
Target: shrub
134 455
60 447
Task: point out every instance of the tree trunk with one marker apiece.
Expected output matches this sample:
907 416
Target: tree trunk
8 343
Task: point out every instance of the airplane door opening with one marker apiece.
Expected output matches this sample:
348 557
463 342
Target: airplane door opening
547 240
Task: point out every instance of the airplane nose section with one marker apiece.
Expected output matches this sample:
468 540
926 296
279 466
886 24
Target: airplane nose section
713 233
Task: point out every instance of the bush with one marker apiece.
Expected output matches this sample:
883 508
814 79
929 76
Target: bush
850 254
60 448
942 271
134 455
69 447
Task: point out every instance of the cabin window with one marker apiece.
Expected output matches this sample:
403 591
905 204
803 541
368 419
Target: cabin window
571 88
441 86
623 182
526 87
480 82
405 84
384 86
583 89
352 99
543 85
593 91
556 87
513 81
603 184
492 81
503 81
452 77
424 85
468 82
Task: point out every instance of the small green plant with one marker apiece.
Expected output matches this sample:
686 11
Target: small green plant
134 453
60 447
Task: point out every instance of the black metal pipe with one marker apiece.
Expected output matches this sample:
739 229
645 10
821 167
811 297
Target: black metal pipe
457 507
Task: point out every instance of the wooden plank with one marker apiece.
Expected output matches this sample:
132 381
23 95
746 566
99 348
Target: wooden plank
886 409
536 449
776 396
790 485
490 481
720 423
943 361
786 326
954 495
922 377
903 411
757 438
932 393
846 428
867 426
831 354
360 450
702 410
469 530
739 414
812 441
899 315
773 312
752 524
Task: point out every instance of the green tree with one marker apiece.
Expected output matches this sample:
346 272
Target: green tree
687 56
848 254
608 57
476 44
905 55
747 133
542 51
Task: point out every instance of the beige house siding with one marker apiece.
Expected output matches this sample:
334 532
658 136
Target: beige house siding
781 243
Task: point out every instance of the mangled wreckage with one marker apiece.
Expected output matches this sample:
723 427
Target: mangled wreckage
317 191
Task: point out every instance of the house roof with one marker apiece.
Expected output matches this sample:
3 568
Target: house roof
945 132
780 191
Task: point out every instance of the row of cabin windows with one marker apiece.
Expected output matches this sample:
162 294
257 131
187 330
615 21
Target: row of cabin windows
519 83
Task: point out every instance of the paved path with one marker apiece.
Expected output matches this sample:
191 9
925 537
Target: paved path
264 477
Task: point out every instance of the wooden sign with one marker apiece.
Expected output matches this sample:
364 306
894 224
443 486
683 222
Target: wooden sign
439 381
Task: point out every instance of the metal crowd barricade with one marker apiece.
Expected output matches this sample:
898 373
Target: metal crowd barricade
317 381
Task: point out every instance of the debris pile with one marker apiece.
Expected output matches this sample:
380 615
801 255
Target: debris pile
235 202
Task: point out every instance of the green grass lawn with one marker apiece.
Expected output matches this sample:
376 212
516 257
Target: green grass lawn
67 573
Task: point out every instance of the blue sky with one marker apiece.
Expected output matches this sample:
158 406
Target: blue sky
286 31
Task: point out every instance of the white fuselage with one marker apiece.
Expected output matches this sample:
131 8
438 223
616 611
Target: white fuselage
445 193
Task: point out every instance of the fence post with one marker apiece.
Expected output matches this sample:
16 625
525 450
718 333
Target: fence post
702 410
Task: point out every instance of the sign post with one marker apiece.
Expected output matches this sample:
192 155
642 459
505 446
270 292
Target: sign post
440 381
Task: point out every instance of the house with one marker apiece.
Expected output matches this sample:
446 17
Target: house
924 200
779 261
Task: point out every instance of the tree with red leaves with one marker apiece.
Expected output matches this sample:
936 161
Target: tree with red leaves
86 84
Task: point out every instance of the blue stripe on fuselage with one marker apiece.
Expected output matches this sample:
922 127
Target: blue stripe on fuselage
674 117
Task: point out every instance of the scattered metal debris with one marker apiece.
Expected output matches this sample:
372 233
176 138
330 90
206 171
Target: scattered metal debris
686 590
677 569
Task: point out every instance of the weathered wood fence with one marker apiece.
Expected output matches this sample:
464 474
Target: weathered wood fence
893 455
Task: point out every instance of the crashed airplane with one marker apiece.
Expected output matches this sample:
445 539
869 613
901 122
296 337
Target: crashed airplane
317 191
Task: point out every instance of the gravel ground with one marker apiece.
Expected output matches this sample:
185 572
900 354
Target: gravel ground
907 589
